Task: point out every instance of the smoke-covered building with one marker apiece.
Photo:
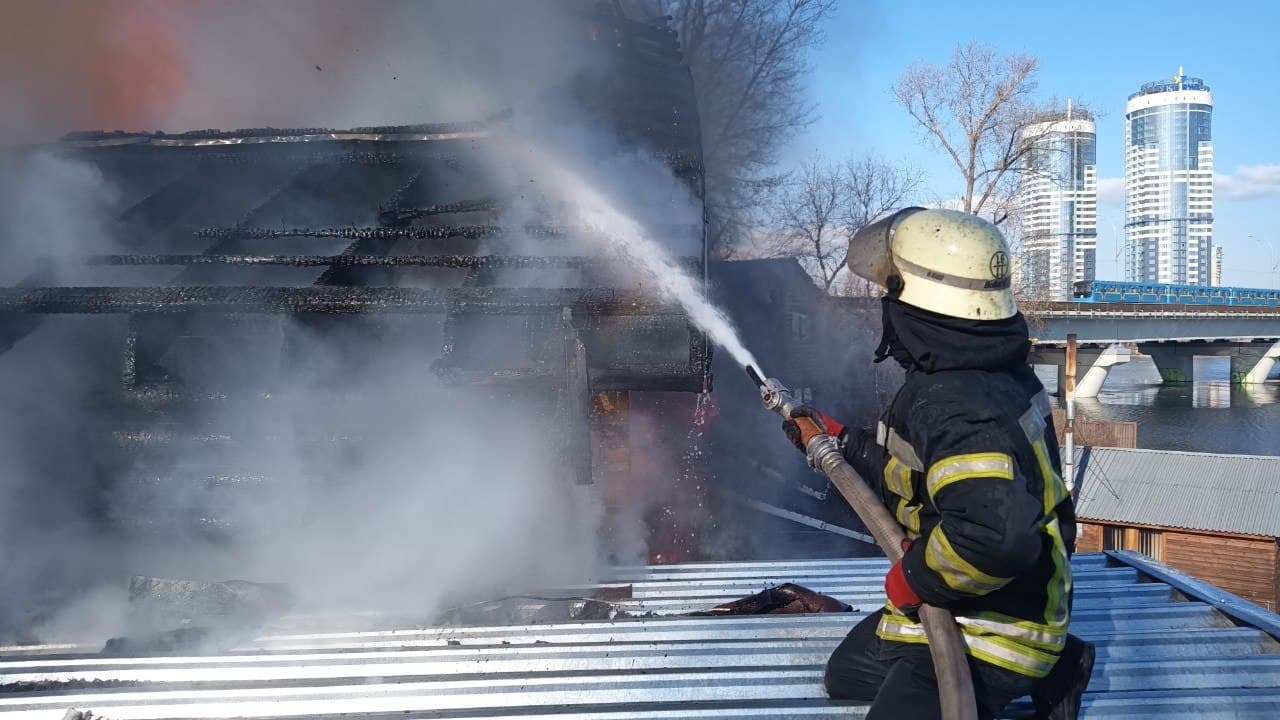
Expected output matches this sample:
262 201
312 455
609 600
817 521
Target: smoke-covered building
354 359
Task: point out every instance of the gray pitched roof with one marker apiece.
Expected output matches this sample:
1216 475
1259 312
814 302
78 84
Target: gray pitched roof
1199 491
1159 655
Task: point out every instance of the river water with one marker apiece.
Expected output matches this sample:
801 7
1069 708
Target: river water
1209 415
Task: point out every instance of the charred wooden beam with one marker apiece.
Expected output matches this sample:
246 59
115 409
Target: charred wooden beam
443 232
397 216
398 198
439 232
341 275
15 327
260 136
327 300
483 262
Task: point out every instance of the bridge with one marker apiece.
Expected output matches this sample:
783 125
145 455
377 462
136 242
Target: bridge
1173 335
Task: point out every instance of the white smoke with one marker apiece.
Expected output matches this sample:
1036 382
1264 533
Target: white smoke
445 496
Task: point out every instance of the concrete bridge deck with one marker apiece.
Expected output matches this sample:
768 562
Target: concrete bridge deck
1173 335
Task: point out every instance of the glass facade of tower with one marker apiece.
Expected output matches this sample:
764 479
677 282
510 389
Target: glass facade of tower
1058 200
1169 183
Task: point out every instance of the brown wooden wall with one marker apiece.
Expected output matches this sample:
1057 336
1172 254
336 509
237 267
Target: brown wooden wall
1246 567
1088 538
1099 433
1240 564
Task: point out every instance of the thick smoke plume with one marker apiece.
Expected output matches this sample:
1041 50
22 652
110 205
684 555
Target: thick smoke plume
193 64
360 480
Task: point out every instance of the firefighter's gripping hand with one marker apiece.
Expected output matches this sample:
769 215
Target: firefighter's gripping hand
807 422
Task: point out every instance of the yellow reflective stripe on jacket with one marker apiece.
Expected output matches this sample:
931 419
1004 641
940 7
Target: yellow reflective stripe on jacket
897 477
1059 587
908 516
958 573
1043 636
1055 491
982 641
973 465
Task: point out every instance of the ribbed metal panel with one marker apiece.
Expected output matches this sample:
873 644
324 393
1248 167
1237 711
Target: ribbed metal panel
1199 491
1158 655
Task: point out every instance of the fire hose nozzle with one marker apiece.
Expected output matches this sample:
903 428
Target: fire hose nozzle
777 397
773 393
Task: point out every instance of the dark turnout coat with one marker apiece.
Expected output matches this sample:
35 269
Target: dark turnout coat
967 460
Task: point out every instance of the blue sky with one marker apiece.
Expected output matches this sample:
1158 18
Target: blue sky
1097 52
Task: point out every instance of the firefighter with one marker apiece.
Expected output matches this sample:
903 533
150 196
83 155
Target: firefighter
967 461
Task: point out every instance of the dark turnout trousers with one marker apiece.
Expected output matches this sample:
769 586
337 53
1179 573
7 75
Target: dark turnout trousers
899 682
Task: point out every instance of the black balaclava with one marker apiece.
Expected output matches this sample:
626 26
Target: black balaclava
926 341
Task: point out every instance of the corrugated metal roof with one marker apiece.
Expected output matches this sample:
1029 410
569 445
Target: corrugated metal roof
1199 491
1158 655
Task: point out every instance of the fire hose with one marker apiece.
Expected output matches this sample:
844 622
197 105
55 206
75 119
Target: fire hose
946 646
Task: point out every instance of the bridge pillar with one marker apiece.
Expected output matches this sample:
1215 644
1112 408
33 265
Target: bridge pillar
1056 357
1092 382
1260 371
1175 361
1098 360
1249 360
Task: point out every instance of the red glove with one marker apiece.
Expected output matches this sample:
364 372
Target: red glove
801 433
899 592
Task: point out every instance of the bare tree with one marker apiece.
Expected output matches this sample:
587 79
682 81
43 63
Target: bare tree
809 213
874 188
975 108
822 205
748 60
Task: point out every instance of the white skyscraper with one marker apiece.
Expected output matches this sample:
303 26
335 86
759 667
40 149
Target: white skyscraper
1058 200
1168 180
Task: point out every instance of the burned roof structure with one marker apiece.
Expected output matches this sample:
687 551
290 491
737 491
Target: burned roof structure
231 243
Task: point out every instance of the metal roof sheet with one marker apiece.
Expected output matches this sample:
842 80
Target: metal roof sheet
1199 491
1159 654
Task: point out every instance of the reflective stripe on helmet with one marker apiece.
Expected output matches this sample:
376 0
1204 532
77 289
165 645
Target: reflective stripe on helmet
1000 284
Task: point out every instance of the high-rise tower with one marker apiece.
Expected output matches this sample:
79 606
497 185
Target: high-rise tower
1058 199
1168 180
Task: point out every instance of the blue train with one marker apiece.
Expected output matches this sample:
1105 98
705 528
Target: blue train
1111 291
